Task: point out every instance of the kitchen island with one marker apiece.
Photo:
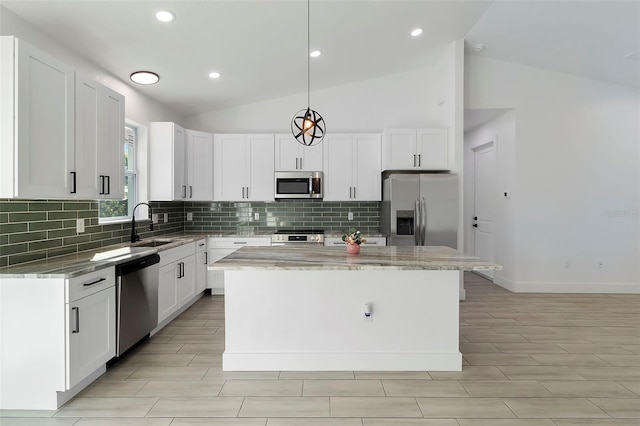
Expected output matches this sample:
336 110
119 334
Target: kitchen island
319 308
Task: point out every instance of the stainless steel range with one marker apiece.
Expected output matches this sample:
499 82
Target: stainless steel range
290 237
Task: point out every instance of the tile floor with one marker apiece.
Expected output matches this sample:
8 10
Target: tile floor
529 359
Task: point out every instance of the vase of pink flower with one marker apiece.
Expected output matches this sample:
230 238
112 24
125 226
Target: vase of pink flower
353 239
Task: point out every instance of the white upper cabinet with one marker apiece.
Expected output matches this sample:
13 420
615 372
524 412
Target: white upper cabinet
290 155
352 167
199 166
167 154
61 134
243 167
99 161
38 130
416 149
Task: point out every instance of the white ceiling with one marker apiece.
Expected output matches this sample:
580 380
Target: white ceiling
260 46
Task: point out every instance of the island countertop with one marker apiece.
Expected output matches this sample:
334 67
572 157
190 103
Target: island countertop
336 258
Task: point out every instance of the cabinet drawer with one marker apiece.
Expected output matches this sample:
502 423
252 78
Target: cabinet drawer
177 253
85 285
235 242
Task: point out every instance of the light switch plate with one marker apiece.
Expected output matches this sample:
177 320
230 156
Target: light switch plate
166 217
350 216
154 218
80 226
189 216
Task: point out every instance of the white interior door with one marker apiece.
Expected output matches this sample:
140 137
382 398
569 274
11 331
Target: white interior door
485 204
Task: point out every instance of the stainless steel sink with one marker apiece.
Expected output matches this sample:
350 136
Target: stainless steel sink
152 243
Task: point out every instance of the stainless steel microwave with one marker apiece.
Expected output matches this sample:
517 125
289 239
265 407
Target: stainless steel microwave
298 185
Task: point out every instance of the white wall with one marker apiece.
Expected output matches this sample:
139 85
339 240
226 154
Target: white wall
502 131
400 100
578 175
138 107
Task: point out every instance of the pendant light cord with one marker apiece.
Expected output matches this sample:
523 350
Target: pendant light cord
308 72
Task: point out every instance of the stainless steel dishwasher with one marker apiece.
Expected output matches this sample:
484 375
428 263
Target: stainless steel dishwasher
136 300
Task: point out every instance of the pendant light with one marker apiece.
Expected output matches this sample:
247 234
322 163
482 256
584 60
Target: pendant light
308 126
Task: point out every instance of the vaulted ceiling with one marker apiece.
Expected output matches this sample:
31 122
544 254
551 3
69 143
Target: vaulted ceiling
259 47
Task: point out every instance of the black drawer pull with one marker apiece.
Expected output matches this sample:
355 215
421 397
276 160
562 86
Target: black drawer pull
94 282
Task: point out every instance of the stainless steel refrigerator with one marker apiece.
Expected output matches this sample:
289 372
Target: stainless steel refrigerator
420 209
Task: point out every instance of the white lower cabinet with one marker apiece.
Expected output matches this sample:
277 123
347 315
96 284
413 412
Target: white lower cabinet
177 280
202 259
221 247
57 335
371 241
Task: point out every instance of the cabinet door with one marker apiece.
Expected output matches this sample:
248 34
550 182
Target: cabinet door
399 150
338 170
111 143
187 280
168 301
179 159
287 156
229 171
199 166
87 153
91 328
261 180
311 157
45 127
201 271
367 167
433 149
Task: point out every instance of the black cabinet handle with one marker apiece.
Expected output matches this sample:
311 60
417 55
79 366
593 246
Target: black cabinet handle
475 225
94 282
475 218
108 184
206 258
419 160
77 316
73 182
101 192
190 191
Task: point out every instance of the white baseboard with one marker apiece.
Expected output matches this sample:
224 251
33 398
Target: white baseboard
567 287
341 361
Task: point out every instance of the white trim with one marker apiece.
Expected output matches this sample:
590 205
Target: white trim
567 287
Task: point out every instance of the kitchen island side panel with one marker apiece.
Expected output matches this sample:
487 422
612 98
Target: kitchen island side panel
287 320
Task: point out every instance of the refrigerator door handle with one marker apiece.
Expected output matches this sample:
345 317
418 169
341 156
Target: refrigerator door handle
417 224
423 216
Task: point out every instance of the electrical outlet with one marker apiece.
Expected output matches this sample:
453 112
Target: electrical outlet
189 216
350 215
256 216
154 218
80 226
166 217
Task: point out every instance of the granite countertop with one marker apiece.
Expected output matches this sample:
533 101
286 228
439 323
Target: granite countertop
336 258
73 265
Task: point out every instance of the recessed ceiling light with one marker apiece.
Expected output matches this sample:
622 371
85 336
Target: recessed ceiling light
144 77
479 47
634 55
165 16
315 53
214 75
416 32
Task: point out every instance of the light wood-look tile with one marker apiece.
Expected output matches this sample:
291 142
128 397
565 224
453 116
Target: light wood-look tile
168 373
619 407
428 388
37 421
182 388
409 422
124 422
539 372
356 406
343 388
318 375
506 388
473 372
476 408
197 407
107 407
553 407
591 388
402 375
211 421
275 421
104 388
285 407
263 387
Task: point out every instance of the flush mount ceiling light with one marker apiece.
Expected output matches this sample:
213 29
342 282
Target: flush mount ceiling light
307 126
214 75
315 53
144 77
165 16
416 32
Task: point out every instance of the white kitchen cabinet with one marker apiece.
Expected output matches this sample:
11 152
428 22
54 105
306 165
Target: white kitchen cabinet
352 167
177 280
290 155
199 166
99 156
243 167
37 132
71 320
219 248
61 133
371 241
202 259
417 149
167 155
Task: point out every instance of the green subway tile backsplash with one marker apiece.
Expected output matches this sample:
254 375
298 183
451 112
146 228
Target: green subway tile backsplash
38 229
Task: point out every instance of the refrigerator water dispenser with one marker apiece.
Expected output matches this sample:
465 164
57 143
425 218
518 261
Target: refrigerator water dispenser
404 222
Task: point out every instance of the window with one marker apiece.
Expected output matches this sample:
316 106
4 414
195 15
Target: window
119 210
